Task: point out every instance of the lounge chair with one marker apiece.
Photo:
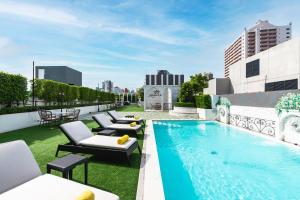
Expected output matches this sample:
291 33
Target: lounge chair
117 118
82 140
21 178
105 123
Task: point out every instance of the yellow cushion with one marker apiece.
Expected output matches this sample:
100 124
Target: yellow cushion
136 117
86 195
123 139
133 124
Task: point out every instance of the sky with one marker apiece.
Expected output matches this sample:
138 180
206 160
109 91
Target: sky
124 40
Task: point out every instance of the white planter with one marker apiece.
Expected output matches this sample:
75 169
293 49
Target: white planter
185 110
206 114
289 127
223 114
11 122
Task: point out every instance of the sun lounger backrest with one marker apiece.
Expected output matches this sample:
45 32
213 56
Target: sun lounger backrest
114 114
17 165
76 131
102 120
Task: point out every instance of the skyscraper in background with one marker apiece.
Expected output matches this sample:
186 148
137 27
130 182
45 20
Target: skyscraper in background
261 37
107 86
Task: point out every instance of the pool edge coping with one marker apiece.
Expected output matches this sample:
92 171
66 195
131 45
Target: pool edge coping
150 185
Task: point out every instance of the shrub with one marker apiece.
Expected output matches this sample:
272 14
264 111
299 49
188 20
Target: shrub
186 93
203 101
13 89
290 101
185 104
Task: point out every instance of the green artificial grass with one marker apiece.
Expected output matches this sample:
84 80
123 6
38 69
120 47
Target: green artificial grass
116 177
131 108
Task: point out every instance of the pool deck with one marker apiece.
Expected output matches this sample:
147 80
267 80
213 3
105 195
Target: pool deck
150 184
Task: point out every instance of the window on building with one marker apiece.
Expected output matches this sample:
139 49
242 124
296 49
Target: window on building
41 73
181 78
252 68
158 79
165 79
147 79
282 85
171 81
287 29
152 79
176 80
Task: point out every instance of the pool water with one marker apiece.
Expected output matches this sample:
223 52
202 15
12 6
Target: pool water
211 161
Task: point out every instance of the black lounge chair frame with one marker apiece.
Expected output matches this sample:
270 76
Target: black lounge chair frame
133 133
111 152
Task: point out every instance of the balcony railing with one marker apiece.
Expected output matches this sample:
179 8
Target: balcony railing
259 125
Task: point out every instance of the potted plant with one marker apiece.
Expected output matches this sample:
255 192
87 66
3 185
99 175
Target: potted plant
288 110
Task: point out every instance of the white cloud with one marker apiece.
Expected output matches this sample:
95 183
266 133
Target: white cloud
41 13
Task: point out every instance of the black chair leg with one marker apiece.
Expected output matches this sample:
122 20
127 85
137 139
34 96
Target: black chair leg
57 151
139 148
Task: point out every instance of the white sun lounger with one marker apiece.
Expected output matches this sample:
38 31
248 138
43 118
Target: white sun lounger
21 178
104 122
117 118
82 140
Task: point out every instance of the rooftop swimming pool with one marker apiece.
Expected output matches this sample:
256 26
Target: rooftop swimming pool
209 160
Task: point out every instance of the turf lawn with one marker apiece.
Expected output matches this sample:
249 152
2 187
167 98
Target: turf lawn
131 108
116 177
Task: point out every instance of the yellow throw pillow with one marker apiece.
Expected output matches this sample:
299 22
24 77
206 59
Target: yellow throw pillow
133 124
86 195
136 117
123 139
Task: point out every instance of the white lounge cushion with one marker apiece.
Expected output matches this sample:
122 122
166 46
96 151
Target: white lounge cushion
77 131
130 119
123 127
50 187
102 120
17 165
107 141
116 116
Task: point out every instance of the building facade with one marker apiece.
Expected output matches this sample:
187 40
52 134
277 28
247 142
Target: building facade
261 37
161 90
107 86
59 73
274 69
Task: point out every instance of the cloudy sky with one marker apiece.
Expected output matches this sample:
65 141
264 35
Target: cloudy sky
124 40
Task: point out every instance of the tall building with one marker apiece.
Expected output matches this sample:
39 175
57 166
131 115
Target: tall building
107 86
118 90
161 90
261 37
59 73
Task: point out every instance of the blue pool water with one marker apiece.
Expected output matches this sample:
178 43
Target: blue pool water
211 161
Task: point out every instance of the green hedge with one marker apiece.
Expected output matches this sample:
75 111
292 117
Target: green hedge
51 92
12 110
203 101
184 104
13 89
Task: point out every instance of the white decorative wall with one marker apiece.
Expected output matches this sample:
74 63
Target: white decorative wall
11 122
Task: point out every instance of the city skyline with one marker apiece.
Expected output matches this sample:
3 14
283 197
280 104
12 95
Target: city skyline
123 41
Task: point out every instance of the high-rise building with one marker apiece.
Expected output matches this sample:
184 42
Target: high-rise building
107 86
118 90
261 37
